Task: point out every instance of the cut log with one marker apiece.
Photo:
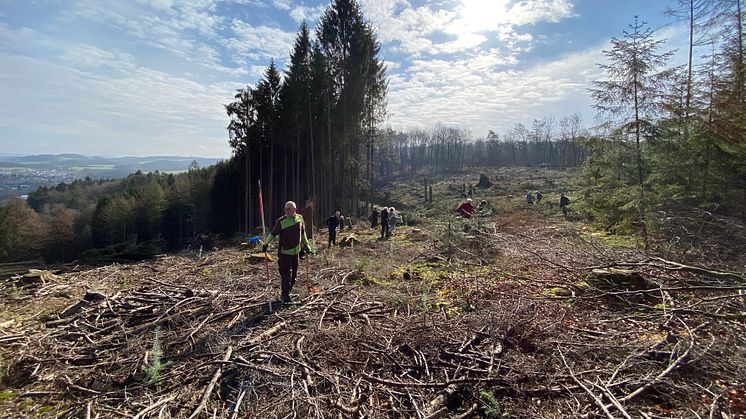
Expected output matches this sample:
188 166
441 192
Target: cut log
437 407
255 258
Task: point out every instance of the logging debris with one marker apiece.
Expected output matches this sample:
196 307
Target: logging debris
473 333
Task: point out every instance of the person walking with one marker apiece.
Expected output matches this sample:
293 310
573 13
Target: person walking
291 231
539 195
374 218
529 198
385 223
564 202
332 223
341 222
393 214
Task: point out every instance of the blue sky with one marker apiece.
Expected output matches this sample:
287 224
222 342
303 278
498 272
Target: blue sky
144 77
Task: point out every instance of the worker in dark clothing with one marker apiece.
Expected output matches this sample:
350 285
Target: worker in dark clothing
539 195
291 231
374 218
332 223
341 221
564 202
385 222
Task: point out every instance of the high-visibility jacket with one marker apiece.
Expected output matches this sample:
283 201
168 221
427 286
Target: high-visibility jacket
291 232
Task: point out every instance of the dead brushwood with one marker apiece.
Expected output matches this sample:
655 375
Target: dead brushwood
516 315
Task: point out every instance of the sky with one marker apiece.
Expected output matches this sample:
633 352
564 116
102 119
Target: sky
151 77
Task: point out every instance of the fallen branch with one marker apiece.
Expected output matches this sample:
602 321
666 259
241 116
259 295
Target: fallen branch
153 406
595 398
206 396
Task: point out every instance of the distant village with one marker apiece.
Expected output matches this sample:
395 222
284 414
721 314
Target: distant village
18 182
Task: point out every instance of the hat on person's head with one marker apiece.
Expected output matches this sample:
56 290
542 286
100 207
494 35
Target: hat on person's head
468 199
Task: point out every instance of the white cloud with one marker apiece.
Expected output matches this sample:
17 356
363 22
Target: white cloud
413 27
157 4
310 14
140 111
258 42
478 94
282 4
89 57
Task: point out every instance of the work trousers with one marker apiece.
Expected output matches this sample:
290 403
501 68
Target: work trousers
385 232
332 237
288 266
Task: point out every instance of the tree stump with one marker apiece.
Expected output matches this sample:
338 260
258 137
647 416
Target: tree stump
484 181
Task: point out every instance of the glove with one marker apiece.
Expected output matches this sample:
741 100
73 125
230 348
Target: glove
264 248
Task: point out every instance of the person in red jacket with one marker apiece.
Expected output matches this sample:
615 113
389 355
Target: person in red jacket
466 209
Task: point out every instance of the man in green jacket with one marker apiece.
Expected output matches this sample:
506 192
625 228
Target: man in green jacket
291 231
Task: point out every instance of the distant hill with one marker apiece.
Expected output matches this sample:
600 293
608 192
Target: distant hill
103 167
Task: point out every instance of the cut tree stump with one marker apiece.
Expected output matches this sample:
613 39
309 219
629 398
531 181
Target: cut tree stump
349 241
615 279
484 181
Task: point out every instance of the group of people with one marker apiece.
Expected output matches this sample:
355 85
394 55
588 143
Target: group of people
530 197
389 218
468 210
290 229
564 201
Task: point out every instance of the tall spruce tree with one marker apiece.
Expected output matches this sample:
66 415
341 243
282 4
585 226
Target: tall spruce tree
349 45
267 99
632 98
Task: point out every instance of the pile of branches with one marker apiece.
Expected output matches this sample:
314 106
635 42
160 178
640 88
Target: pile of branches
574 330
698 236
637 335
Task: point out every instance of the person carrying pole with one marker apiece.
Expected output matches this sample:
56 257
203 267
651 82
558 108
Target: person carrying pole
291 231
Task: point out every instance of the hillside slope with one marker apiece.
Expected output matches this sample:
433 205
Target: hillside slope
519 313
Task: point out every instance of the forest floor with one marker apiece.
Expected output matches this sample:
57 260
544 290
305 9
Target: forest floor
520 313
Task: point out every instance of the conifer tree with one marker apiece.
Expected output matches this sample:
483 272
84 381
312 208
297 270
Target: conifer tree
632 98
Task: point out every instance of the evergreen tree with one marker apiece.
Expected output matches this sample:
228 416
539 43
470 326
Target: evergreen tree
632 98
267 99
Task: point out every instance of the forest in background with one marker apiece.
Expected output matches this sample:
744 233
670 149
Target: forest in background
667 135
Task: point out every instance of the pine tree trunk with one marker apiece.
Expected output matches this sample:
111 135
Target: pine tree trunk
639 164
250 219
312 189
246 194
